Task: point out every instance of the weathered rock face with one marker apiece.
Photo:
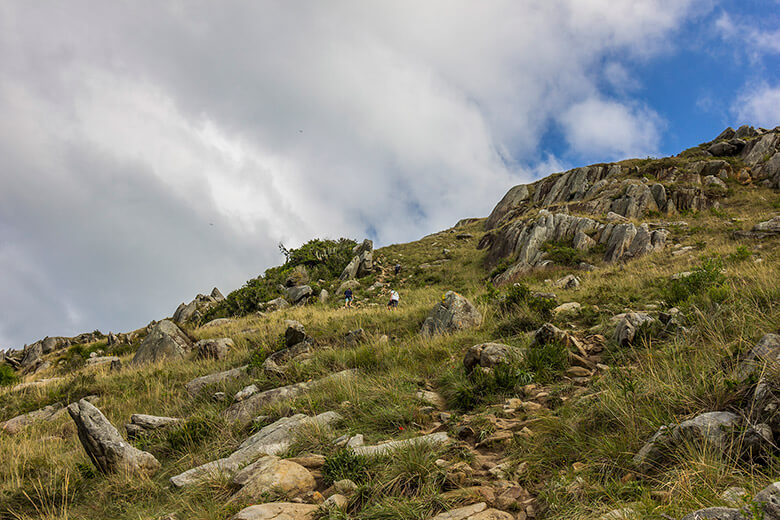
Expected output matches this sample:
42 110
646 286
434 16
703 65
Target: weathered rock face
362 263
216 348
277 511
165 341
195 386
105 447
271 440
294 333
275 305
140 424
488 355
272 474
453 313
523 240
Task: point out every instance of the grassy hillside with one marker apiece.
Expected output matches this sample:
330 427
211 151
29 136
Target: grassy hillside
570 448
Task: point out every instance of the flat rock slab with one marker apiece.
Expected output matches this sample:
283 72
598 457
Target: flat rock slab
16 424
477 511
277 511
195 386
271 440
272 474
244 411
382 449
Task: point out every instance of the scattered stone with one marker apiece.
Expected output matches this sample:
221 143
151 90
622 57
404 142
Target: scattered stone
214 348
431 398
276 304
477 511
16 424
164 341
453 313
101 360
568 308
337 501
353 337
245 393
567 282
294 333
140 424
298 293
105 447
764 356
734 496
628 326
345 487
217 322
488 355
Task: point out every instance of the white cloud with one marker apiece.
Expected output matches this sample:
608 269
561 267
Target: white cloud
609 129
149 151
759 106
750 38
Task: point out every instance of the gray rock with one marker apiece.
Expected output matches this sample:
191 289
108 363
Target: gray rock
194 310
275 305
217 295
567 282
165 341
628 326
433 439
243 412
246 392
102 360
715 513
768 501
195 386
215 348
770 226
272 474
711 180
270 440
217 322
298 293
488 355
765 355
353 337
728 133
273 362
16 424
140 424
105 447
324 296
513 201
349 284
294 333
453 313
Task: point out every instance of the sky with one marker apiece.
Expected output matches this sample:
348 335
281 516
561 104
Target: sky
151 150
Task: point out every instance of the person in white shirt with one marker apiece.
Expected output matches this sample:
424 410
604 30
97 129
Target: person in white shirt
394 297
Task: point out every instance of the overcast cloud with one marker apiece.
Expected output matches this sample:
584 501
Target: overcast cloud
152 150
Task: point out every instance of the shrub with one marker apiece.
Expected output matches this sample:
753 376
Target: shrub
547 361
467 391
562 254
346 464
183 437
701 279
7 375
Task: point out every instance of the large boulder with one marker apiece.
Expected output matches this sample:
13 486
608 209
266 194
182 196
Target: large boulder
488 355
272 474
453 313
276 304
165 341
107 449
294 333
16 424
298 293
277 511
362 263
197 308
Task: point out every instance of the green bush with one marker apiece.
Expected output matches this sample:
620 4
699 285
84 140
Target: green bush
467 391
346 464
562 253
7 375
181 438
547 361
704 277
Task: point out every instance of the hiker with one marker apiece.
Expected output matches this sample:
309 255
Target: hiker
397 269
394 297
348 298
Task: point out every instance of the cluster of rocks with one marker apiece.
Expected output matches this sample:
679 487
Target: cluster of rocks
297 346
194 311
524 240
141 424
766 229
758 148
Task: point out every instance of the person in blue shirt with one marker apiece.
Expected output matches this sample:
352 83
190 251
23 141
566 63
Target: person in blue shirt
348 298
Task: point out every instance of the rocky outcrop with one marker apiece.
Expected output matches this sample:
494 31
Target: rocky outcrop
766 229
195 386
488 355
628 325
165 341
270 440
107 449
215 348
524 240
272 363
277 511
244 411
276 304
362 263
453 313
298 294
195 310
